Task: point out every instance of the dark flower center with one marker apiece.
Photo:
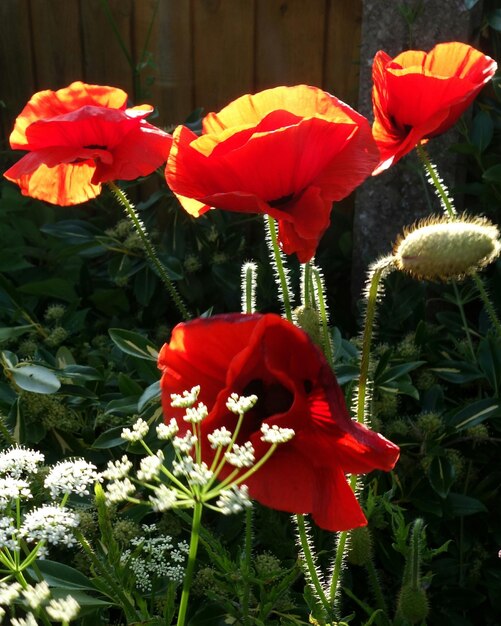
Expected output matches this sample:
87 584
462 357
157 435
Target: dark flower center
271 399
95 147
280 201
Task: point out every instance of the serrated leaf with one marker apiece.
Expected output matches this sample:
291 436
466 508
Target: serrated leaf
134 344
35 378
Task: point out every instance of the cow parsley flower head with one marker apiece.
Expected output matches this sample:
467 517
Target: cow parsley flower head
183 445
119 490
241 456
12 488
29 620
195 415
187 399
275 434
9 592
73 476
51 524
16 461
63 610
164 498
240 404
36 596
221 437
167 431
233 500
116 470
8 534
150 466
139 431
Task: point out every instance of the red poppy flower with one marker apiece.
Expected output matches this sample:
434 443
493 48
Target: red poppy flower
80 137
418 95
288 152
270 357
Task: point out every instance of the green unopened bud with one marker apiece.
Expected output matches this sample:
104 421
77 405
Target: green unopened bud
440 249
413 604
307 318
360 546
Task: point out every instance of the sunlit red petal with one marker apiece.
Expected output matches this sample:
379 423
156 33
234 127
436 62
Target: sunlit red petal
47 104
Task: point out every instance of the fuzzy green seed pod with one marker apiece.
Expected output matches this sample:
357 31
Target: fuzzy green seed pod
413 604
360 546
439 249
307 318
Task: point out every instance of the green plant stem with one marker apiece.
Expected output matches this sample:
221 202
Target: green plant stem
322 309
279 266
487 303
247 565
310 564
131 213
376 586
463 319
190 568
435 180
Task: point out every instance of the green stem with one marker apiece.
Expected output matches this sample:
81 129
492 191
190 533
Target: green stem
376 272
376 586
279 266
487 303
436 182
463 319
148 248
192 556
322 309
309 561
247 566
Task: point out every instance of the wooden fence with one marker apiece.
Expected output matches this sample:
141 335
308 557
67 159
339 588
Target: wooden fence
195 53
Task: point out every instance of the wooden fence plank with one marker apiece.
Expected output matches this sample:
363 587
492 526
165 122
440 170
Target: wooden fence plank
105 63
16 67
289 42
56 42
223 35
342 53
144 46
173 88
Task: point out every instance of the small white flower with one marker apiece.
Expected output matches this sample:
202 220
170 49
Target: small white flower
187 399
196 414
233 500
17 460
73 476
8 534
240 404
50 523
12 489
183 445
241 456
164 498
150 466
221 437
167 431
275 434
37 595
63 610
119 490
115 470
29 620
139 431
9 592
200 474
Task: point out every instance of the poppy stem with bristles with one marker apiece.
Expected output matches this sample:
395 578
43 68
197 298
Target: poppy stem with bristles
140 229
435 180
278 265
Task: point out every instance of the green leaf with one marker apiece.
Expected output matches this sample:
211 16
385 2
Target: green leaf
150 393
397 371
441 475
134 344
474 413
457 372
109 439
52 288
482 130
35 378
460 505
346 373
63 576
493 174
14 331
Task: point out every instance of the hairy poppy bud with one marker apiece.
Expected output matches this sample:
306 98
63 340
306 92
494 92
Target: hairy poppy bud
360 546
307 318
439 249
413 604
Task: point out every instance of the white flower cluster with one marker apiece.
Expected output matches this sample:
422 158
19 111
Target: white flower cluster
150 466
154 558
50 523
12 488
233 500
139 431
72 476
240 404
8 534
164 498
116 470
195 415
196 473
17 461
119 490
275 434
167 431
64 609
241 456
36 596
186 399
220 438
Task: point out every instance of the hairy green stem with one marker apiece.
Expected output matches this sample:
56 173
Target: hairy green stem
487 303
376 586
192 557
436 182
322 309
279 266
463 319
131 213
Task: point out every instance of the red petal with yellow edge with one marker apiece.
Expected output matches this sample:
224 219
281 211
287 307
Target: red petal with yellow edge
47 104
